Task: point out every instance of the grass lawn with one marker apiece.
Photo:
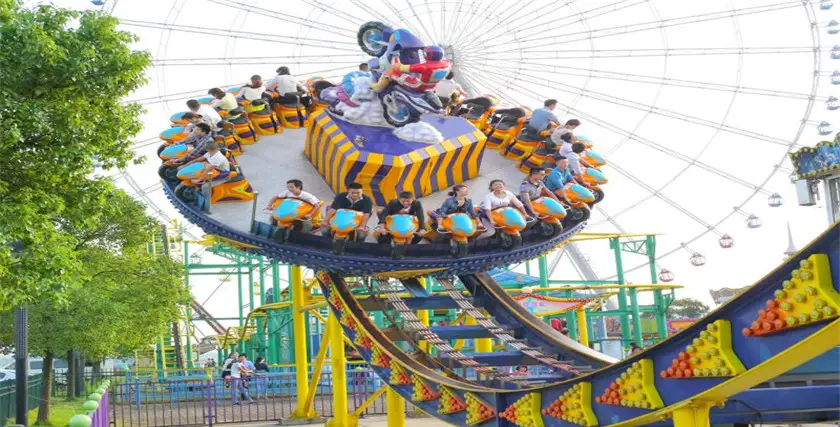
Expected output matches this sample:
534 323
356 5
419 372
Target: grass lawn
61 410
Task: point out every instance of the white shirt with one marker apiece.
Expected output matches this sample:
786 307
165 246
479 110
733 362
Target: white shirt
557 134
306 197
565 149
218 160
252 94
445 88
491 202
210 113
574 162
235 370
284 84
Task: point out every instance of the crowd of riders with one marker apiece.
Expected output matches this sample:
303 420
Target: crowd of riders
204 120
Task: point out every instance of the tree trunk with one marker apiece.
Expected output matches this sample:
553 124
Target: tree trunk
46 389
80 374
97 374
71 375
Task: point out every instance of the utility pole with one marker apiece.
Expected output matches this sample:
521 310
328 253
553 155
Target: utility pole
21 366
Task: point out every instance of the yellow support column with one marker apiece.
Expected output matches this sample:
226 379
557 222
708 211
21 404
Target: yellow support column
423 315
482 345
583 326
299 329
339 375
694 415
396 408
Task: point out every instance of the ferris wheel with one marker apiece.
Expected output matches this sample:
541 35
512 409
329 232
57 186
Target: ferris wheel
696 105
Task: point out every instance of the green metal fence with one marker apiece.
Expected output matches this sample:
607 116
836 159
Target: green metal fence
7 398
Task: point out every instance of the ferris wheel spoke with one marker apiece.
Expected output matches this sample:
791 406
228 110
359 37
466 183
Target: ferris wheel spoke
647 142
572 54
426 31
558 85
405 21
291 59
657 25
472 29
268 13
556 25
342 46
344 14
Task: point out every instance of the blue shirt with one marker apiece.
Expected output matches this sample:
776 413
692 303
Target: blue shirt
558 178
249 365
541 118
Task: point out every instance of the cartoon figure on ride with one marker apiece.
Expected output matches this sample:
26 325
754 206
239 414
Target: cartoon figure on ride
403 74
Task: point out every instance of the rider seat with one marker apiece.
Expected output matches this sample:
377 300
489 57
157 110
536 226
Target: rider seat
263 119
226 137
505 125
478 111
290 110
243 131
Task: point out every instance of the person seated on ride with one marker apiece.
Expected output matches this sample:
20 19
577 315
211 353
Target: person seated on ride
206 111
533 188
496 198
254 90
575 162
294 190
457 202
353 199
556 180
223 100
194 119
540 120
565 143
199 138
404 204
448 87
284 83
364 67
216 161
567 129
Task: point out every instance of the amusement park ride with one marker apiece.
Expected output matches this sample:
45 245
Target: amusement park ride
387 132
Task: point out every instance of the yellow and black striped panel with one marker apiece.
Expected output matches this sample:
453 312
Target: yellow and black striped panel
383 176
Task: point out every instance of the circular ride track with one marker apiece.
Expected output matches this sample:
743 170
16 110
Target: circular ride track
695 104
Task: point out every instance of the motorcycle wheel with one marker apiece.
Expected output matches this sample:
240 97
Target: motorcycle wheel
507 241
281 234
339 245
549 230
168 173
367 37
186 194
396 120
599 196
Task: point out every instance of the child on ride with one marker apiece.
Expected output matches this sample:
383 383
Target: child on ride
575 162
216 161
404 204
496 198
457 202
533 188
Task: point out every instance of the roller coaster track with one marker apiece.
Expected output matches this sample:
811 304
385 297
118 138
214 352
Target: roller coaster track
204 314
790 316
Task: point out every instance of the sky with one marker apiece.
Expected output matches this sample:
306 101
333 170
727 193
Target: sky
694 104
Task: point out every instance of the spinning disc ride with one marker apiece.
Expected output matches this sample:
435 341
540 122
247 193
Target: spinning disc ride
516 60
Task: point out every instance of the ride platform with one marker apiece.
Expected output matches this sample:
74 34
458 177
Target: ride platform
385 164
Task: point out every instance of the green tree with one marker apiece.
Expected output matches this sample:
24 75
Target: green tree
65 75
127 296
686 308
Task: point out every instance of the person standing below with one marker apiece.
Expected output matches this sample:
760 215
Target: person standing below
226 368
238 372
260 369
205 111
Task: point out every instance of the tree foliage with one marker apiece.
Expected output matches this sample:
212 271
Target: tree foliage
686 308
64 78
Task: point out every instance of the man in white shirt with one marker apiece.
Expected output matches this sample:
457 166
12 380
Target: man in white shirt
294 190
238 371
205 111
569 128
